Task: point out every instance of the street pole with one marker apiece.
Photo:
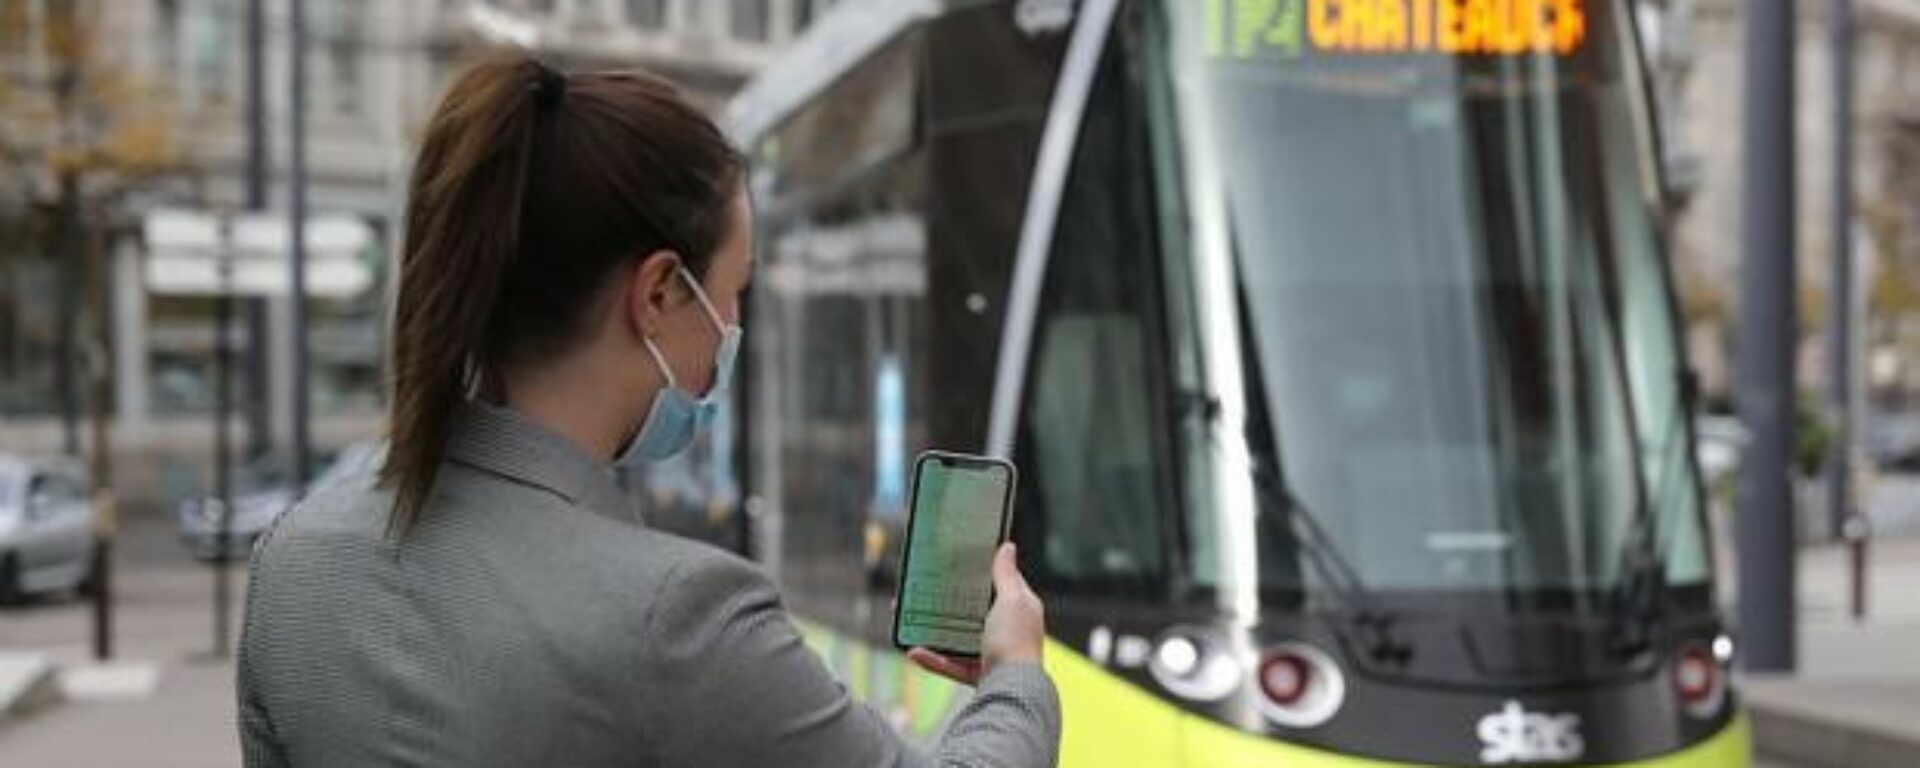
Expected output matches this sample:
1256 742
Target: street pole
1840 292
1767 341
1845 517
68 239
99 382
256 200
66 326
223 456
297 215
260 408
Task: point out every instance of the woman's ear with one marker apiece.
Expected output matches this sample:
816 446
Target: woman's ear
650 290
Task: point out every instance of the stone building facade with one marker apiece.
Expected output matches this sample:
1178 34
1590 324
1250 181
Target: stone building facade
1700 45
374 71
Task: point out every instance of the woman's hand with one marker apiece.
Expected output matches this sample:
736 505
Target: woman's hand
1016 628
960 670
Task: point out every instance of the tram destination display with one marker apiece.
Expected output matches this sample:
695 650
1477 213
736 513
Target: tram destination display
1255 29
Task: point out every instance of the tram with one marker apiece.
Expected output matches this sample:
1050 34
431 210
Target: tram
1334 340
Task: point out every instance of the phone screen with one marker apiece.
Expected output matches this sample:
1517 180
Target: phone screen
960 505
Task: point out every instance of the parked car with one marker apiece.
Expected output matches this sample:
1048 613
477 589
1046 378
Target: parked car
47 518
1893 442
261 493
1719 442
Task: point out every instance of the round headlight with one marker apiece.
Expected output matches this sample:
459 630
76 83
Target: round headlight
1189 665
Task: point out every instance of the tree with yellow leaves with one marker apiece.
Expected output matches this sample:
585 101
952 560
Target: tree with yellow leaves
1896 289
79 130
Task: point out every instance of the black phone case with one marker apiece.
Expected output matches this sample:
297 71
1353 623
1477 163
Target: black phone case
906 553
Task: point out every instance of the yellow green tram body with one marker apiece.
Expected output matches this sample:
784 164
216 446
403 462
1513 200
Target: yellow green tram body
1111 722
1330 331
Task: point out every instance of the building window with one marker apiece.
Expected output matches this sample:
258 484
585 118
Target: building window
210 43
29 338
166 19
748 20
647 14
343 54
20 31
13 28
694 16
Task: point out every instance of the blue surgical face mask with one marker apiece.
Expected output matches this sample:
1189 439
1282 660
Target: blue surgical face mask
676 416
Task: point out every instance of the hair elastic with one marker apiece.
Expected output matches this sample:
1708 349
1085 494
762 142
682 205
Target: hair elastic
548 87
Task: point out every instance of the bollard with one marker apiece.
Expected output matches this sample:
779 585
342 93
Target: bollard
105 523
1857 531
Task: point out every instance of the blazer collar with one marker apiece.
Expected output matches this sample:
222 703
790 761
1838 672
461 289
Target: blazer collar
502 442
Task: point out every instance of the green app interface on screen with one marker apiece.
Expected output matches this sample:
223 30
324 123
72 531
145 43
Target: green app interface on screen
955 528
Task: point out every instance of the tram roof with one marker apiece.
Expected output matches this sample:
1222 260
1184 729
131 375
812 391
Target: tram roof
847 35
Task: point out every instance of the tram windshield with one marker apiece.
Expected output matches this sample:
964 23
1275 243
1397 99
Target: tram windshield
1435 236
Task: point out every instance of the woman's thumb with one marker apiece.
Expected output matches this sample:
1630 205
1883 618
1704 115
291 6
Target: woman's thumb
1006 571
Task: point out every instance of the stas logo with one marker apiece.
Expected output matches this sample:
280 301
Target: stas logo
1514 735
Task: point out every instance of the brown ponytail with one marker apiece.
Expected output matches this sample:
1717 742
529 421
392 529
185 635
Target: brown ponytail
530 188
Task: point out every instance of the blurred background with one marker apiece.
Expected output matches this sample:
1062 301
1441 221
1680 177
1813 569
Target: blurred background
165 163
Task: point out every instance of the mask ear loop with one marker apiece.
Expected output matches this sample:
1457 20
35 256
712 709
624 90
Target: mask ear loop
661 362
700 293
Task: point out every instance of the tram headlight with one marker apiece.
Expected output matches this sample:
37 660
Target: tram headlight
1300 685
1190 665
1699 680
1179 655
1723 649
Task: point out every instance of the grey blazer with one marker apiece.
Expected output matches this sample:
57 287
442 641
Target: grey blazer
531 620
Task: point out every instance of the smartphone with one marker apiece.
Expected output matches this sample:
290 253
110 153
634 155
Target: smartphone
960 511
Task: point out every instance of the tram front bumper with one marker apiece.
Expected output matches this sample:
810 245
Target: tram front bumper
1109 722
1206 743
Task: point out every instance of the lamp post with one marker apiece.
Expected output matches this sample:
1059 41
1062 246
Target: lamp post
1767 342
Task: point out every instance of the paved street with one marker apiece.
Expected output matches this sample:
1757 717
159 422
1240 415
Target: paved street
1887 644
1860 678
185 717
1893 504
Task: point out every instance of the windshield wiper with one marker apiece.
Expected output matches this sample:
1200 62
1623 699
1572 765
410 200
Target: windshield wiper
1374 624
1636 609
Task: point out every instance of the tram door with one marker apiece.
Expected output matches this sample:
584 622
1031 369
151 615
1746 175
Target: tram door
840 319
889 208
833 329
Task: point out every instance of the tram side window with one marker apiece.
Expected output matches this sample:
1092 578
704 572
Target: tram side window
838 314
1092 437
1654 364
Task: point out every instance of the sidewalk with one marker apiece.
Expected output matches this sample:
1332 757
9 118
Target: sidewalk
27 684
184 720
159 704
1855 700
